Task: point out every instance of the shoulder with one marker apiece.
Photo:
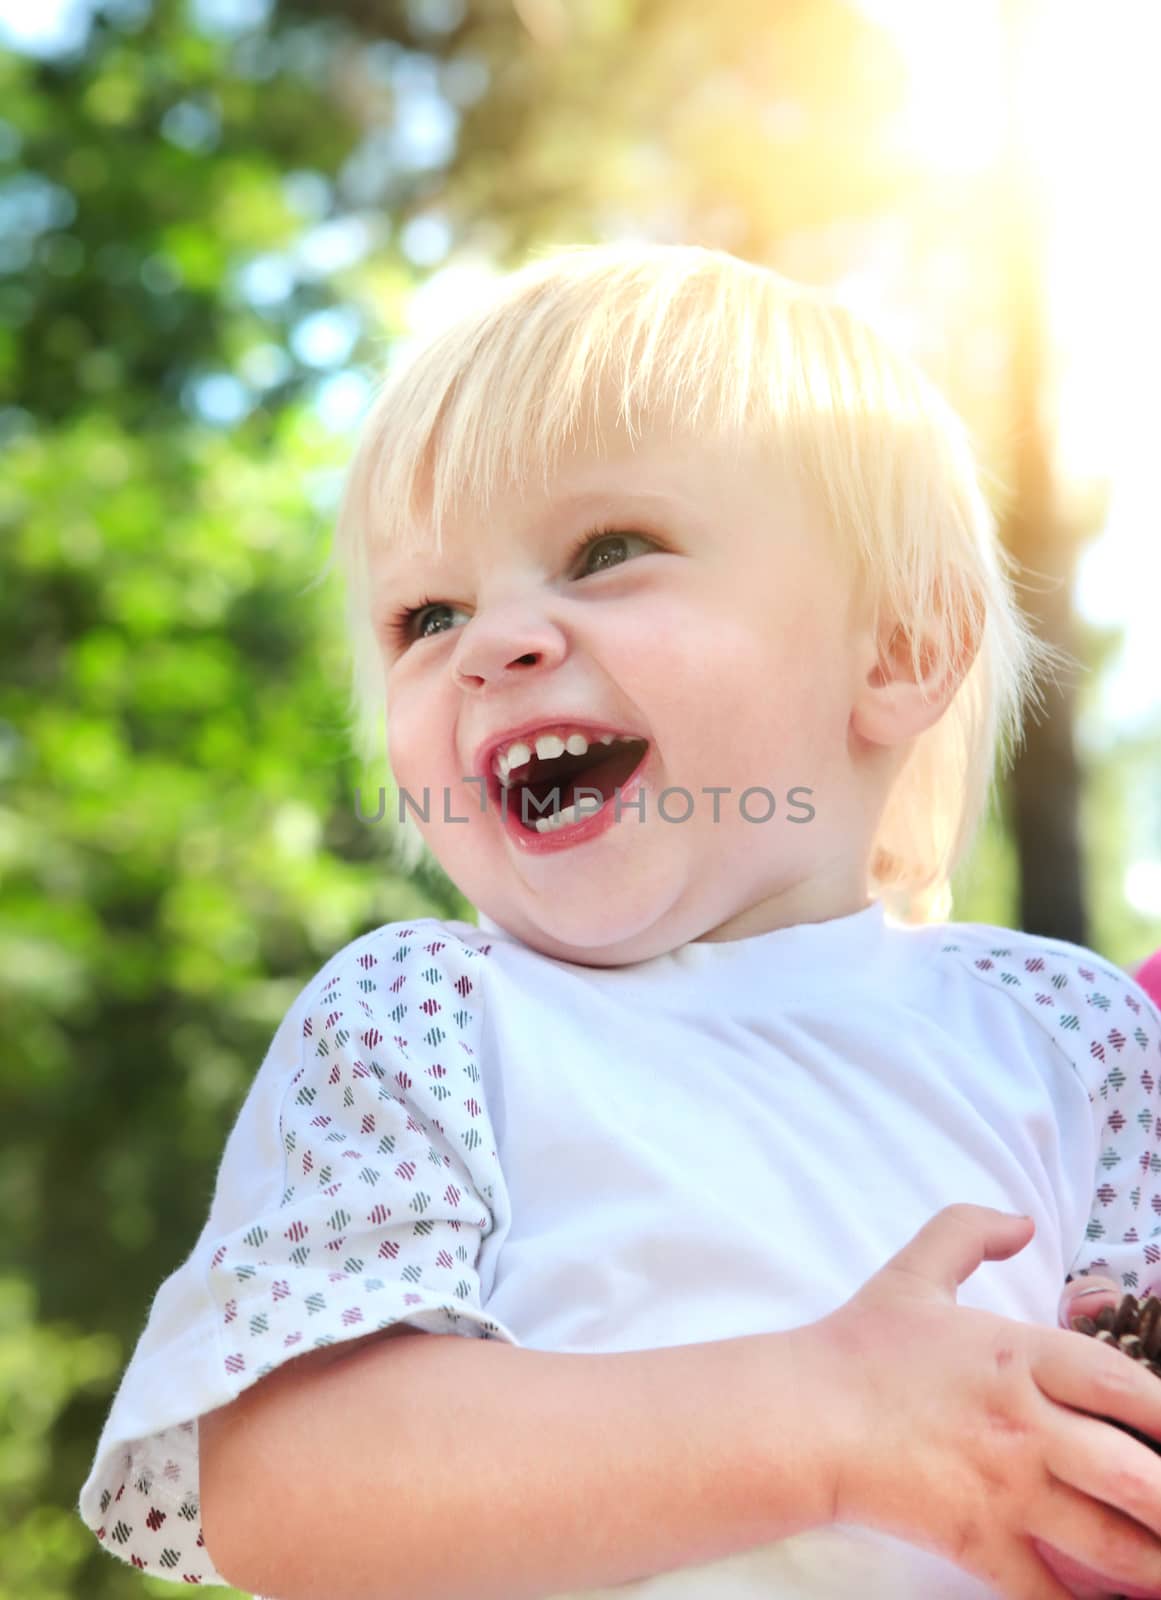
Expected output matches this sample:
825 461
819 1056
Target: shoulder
403 1004
376 1101
423 962
1031 966
381 1005
417 943
1096 1015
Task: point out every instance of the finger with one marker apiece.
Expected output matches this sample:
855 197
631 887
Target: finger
1024 1575
1117 1477
1098 1381
1091 1546
1085 1296
950 1247
1081 1581
1030 1578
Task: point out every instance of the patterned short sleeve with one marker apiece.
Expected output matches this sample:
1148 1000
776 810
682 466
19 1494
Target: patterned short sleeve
359 1188
1110 1032
1123 1235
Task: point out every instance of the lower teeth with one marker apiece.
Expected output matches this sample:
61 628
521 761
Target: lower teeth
566 815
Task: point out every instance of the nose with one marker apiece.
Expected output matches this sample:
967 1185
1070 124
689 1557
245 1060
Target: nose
506 638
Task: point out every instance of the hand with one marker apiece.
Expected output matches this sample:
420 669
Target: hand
1085 1295
980 1437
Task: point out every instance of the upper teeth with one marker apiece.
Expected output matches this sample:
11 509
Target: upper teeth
547 746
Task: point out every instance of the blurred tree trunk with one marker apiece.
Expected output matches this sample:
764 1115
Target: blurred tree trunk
1044 785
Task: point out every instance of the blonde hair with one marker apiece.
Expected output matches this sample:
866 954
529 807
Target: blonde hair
707 342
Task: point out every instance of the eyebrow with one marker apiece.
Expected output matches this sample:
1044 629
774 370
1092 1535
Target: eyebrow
581 498
410 567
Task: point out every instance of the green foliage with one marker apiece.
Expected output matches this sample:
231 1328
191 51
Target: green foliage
180 852
178 844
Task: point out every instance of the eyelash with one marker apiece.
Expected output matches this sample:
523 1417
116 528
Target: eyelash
400 623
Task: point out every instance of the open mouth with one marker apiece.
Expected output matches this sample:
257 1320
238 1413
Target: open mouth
547 793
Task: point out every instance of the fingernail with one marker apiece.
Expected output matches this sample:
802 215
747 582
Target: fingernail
1096 1289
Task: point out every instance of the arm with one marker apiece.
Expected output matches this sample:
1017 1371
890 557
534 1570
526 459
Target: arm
444 1466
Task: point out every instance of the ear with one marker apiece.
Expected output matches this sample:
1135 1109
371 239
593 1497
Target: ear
900 698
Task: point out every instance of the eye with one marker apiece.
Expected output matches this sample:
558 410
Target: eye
604 548
412 622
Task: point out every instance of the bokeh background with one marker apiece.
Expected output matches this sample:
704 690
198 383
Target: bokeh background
221 221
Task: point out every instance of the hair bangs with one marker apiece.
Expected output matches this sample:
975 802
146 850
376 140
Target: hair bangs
557 362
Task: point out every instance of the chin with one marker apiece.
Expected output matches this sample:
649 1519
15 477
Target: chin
591 935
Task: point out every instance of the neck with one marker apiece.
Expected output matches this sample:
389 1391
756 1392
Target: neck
841 893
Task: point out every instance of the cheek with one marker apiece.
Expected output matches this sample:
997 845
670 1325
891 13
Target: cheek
676 655
411 736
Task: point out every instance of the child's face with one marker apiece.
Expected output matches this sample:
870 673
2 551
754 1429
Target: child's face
719 629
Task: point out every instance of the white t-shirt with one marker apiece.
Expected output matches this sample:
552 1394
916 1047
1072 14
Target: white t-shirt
452 1131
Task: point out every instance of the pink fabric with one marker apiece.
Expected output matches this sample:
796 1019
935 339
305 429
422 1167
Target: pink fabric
1148 975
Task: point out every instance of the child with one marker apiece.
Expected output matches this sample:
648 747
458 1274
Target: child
717 1159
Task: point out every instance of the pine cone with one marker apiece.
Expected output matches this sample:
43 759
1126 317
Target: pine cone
1134 1326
